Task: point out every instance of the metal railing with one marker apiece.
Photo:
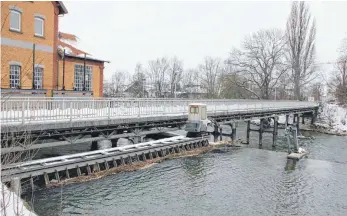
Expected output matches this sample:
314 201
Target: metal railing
46 110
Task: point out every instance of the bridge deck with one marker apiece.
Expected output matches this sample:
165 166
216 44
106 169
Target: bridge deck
67 113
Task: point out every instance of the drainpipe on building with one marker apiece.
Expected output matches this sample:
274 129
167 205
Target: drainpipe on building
33 66
63 71
58 74
84 73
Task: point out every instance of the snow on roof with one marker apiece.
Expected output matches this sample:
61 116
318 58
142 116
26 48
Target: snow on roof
197 104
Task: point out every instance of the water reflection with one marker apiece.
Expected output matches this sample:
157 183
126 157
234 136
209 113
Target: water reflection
290 165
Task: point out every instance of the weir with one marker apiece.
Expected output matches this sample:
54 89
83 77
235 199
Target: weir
75 165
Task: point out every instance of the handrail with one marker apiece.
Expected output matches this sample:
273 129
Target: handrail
25 110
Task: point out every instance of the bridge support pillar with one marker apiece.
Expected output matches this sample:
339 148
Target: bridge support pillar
287 120
114 142
275 132
16 186
297 123
94 143
216 129
314 116
294 119
233 132
137 139
248 131
303 119
261 130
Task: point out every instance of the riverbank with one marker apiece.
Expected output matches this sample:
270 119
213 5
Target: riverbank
12 205
331 119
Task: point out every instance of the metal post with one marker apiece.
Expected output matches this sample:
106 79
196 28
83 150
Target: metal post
84 73
233 132
45 176
248 131
33 66
79 171
275 132
67 173
314 116
57 177
261 128
287 119
295 137
294 119
63 87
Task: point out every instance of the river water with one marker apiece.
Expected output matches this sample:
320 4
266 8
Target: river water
232 181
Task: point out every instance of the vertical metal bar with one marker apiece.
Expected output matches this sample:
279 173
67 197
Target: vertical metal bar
248 131
33 87
63 87
84 73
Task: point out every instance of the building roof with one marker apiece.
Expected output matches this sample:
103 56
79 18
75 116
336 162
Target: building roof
62 8
82 58
67 42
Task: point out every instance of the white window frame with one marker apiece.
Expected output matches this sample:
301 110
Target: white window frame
13 80
38 80
78 77
19 20
42 26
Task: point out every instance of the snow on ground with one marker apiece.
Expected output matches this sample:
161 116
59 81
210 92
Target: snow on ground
333 118
11 204
281 120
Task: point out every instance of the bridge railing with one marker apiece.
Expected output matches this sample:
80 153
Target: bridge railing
24 110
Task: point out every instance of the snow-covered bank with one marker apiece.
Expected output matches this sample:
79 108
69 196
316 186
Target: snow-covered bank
11 204
332 118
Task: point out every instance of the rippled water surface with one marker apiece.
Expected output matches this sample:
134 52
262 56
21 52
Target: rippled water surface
246 181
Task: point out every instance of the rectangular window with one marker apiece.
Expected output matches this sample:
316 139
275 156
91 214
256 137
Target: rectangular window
38 77
79 75
14 76
39 26
15 20
194 110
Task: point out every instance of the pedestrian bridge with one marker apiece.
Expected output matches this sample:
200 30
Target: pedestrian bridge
53 122
66 112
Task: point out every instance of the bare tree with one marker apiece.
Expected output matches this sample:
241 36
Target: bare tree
157 72
175 75
116 85
261 62
210 72
301 49
138 81
338 83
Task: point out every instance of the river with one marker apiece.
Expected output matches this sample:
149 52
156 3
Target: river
233 181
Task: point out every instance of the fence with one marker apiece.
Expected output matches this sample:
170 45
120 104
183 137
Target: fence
25 110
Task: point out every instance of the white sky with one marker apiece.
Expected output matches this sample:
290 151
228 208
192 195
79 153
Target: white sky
126 33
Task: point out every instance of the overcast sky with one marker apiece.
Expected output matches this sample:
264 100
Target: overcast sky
126 33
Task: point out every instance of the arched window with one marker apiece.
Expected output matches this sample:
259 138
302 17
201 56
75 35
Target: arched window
15 20
39 26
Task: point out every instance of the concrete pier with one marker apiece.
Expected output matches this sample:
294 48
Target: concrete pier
275 132
261 130
16 186
233 132
287 120
248 131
